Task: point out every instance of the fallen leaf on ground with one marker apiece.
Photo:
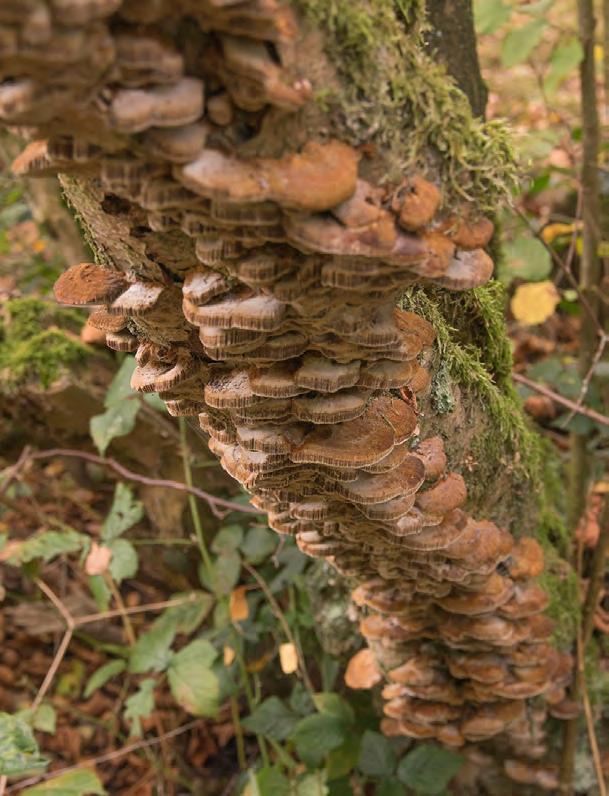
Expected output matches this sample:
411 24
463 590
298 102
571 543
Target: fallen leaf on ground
238 607
98 559
534 302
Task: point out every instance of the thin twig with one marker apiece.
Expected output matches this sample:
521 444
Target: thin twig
598 767
283 622
602 343
122 609
63 646
130 475
136 609
108 757
603 420
14 471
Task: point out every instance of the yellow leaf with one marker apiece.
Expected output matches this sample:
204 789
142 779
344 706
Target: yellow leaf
552 231
288 658
601 487
39 246
534 302
238 607
228 655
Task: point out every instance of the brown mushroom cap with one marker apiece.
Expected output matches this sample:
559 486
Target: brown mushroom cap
320 177
416 200
467 269
362 670
88 283
446 495
526 560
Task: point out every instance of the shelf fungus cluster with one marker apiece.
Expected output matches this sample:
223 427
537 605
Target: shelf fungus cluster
258 293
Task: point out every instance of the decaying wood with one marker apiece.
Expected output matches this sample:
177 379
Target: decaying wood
257 287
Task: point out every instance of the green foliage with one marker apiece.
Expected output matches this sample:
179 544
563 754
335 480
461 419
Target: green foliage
37 344
271 719
43 719
81 782
122 406
428 769
565 58
18 748
46 546
377 758
102 675
193 683
394 93
525 258
140 705
124 513
520 42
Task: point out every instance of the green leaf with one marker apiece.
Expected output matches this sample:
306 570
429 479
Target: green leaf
534 9
124 562
187 617
152 650
227 539
520 42
269 781
193 684
45 718
227 568
525 258
312 784
314 736
100 591
258 544
428 769
390 787
564 59
334 705
140 705
47 545
19 752
377 758
490 15
117 421
344 758
101 676
271 719
120 388
124 513
81 782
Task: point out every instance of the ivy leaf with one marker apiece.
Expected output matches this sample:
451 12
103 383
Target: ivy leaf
117 421
316 735
140 705
490 15
520 42
564 59
428 769
124 513
377 758
187 617
193 684
124 562
18 748
271 719
81 782
101 676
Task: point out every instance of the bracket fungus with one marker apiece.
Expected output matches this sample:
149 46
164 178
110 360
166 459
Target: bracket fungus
258 290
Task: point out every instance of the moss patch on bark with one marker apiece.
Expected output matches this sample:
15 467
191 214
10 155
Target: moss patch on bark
392 93
37 342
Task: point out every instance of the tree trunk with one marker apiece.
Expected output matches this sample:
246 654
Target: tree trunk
263 287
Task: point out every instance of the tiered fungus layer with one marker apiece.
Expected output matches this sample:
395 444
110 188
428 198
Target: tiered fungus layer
260 293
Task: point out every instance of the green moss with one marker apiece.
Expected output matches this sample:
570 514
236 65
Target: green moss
395 94
473 357
37 343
